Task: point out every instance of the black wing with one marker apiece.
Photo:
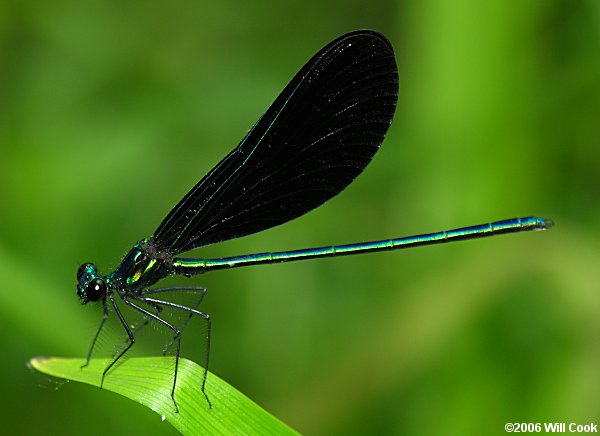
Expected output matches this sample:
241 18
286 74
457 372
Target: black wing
318 135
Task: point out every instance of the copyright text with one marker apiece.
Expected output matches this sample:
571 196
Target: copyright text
550 427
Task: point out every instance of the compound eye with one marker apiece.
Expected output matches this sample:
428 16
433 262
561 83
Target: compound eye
95 289
81 270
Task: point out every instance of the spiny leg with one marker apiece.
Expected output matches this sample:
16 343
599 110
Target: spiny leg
203 315
129 334
177 335
197 289
136 332
125 343
104 318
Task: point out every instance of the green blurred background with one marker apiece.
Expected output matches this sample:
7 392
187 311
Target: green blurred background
111 111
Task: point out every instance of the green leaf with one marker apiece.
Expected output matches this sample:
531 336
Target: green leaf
148 381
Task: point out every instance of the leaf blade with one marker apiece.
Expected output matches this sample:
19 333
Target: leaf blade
147 380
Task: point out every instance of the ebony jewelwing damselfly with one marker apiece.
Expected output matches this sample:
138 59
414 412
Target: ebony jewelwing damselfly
317 136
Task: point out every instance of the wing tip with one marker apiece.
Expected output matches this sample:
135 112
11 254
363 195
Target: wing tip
368 33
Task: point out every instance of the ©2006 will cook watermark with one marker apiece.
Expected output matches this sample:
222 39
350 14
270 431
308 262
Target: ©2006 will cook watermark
550 427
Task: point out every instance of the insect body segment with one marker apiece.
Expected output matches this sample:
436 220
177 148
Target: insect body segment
144 265
90 286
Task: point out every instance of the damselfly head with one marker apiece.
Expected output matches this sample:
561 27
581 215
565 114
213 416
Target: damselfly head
90 286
